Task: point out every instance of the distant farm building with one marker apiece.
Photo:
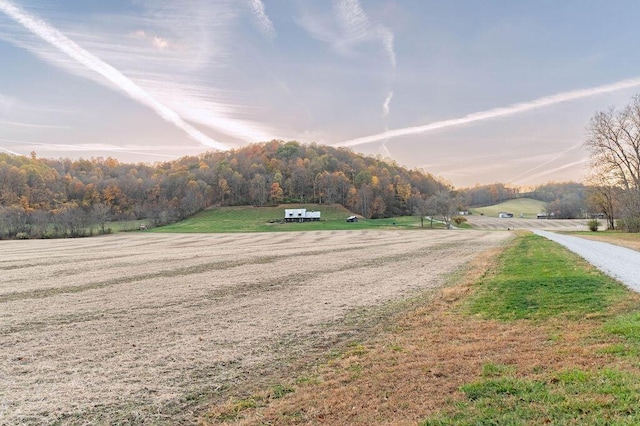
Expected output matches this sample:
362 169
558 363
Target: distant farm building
301 215
505 215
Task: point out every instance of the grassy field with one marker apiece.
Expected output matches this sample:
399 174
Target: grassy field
528 207
530 336
267 219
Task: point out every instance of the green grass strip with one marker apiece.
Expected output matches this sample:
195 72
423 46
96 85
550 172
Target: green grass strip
268 219
574 397
538 279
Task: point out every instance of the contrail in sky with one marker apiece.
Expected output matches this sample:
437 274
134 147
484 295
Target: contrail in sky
556 169
81 147
386 105
496 112
549 161
92 62
357 26
10 152
266 26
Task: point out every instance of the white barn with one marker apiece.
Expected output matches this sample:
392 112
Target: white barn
301 215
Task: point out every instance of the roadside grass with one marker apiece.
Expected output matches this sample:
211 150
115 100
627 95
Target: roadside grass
626 239
267 219
576 396
531 335
538 281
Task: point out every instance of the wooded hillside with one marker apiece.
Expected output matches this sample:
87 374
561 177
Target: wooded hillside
46 197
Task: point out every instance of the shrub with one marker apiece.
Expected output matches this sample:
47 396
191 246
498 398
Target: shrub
629 224
593 225
458 220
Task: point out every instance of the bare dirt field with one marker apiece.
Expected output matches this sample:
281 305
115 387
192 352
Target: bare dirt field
150 328
495 223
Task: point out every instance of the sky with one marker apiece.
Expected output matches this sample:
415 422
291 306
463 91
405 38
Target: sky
472 92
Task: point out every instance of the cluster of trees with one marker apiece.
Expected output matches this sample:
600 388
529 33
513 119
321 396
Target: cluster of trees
564 200
64 197
567 200
614 148
488 195
54 198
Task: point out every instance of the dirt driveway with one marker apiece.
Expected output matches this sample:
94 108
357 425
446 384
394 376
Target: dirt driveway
147 328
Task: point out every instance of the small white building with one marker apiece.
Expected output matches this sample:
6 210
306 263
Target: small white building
544 215
301 215
505 215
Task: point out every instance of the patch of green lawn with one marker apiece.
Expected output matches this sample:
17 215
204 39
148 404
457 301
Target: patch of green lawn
539 279
268 219
572 397
627 326
526 207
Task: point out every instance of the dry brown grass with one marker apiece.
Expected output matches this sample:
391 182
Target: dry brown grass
628 240
151 328
416 368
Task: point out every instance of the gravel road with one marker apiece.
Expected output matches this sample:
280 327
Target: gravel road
618 262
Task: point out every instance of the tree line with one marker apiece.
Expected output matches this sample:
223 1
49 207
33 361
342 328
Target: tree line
66 198
563 200
614 148
63 197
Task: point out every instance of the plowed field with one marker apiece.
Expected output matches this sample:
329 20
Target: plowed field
495 223
151 327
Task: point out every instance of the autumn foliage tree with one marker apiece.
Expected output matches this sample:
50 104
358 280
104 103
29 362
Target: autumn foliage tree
276 194
71 195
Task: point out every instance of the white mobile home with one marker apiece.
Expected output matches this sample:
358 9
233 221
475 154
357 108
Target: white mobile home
301 215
